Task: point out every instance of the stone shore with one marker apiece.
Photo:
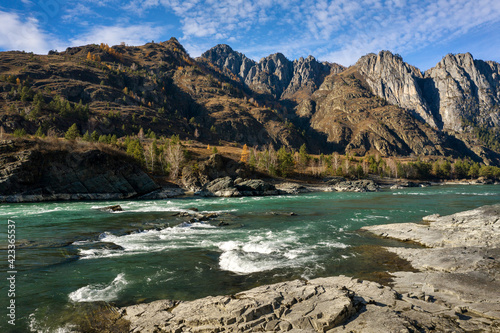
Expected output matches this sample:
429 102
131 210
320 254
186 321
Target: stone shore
456 289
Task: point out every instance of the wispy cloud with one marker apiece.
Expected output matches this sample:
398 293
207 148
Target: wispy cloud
113 35
333 30
23 34
75 13
400 26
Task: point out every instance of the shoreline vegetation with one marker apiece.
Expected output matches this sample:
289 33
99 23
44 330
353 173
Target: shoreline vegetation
150 167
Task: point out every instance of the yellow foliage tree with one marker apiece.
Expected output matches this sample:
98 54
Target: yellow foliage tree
244 154
18 81
208 147
89 56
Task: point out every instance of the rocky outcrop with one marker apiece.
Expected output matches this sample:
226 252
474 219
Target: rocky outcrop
227 187
457 88
456 290
216 167
275 74
357 122
461 266
391 78
365 185
41 171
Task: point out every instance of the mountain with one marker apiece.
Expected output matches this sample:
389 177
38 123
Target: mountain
121 89
380 105
357 121
274 75
458 88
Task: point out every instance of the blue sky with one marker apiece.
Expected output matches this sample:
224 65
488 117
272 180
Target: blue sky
341 31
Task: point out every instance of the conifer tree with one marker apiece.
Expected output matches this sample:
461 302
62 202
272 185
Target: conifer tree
94 136
72 133
39 132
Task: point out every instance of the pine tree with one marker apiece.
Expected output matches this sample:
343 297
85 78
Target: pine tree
72 133
94 136
86 136
39 132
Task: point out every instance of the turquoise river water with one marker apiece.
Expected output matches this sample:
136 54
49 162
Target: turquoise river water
68 253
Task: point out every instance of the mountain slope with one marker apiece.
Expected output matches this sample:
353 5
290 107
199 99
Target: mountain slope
354 119
119 90
379 105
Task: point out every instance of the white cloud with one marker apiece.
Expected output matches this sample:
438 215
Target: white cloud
74 13
23 34
113 35
397 25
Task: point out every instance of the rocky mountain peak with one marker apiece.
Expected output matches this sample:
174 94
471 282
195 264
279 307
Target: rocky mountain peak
275 74
460 87
391 78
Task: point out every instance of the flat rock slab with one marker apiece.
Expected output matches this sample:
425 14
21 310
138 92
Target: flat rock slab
478 227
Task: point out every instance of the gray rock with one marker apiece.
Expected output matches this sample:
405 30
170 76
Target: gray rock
115 208
460 269
275 74
364 185
458 87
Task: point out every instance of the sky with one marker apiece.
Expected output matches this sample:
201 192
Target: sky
341 31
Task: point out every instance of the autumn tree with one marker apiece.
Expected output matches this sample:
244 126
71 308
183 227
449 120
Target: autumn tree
244 154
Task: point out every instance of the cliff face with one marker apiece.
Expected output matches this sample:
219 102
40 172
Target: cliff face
37 171
457 88
274 75
348 113
391 78
461 87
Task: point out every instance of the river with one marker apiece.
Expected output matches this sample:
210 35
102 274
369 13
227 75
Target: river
70 253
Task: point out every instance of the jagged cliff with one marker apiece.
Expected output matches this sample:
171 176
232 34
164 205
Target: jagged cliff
353 118
275 74
457 88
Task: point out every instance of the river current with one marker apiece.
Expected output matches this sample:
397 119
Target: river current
71 253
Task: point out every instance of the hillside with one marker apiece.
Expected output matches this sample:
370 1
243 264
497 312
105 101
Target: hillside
381 105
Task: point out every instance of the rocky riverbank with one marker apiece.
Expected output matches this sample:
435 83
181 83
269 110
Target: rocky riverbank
456 289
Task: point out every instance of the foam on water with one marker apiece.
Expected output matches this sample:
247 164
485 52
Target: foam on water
93 293
184 235
263 252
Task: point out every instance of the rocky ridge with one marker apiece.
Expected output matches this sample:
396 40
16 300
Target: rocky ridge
455 290
458 87
275 74
352 118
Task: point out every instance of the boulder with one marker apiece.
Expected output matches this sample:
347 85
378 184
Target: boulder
364 185
115 208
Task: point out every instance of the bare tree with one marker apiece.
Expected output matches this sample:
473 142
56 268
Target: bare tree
175 157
